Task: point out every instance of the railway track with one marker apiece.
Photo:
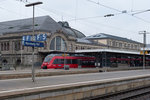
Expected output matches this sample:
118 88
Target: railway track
141 93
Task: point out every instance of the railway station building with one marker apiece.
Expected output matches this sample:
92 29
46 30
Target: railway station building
60 38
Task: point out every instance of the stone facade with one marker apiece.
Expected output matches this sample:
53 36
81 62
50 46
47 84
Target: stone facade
121 44
114 42
60 37
13 52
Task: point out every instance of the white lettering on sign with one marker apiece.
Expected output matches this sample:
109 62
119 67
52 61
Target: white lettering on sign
24 38
38 37
28 37
44 36
33 38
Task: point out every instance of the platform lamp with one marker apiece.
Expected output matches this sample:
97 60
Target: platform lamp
33 70
144 46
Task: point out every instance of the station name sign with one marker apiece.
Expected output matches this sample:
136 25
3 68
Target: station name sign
33 44
34 41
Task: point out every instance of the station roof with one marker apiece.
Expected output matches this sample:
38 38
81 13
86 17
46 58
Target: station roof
108 50
70 30
107 36
82 40
43 23
85 41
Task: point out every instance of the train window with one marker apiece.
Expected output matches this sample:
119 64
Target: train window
68 61
92 63
55 61
74 61
61 61
58 61
84 62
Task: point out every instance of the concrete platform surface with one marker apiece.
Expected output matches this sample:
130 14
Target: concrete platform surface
14 74
25 85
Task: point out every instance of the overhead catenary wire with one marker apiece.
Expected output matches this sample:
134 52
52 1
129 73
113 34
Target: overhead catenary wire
103 25
92 17
109 26
119 11
75 19
104 5
143 11
84 18
81 18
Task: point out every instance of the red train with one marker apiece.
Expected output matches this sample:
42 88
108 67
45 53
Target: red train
73 61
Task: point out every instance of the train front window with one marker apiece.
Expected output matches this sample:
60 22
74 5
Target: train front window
47 59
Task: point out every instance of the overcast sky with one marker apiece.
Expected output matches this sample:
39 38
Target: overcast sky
87 15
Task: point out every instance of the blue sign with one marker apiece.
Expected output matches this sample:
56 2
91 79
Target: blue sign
33 44
26 38
39 37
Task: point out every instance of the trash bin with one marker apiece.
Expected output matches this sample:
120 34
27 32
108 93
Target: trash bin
66 67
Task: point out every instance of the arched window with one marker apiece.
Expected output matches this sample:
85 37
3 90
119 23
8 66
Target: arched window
58 43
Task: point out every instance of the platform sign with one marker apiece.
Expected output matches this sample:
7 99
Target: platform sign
38 37
26 38
141 52
33 44
64 55
33 41
146 52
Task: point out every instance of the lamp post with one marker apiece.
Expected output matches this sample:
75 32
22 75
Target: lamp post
0 57
33 70
144 45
